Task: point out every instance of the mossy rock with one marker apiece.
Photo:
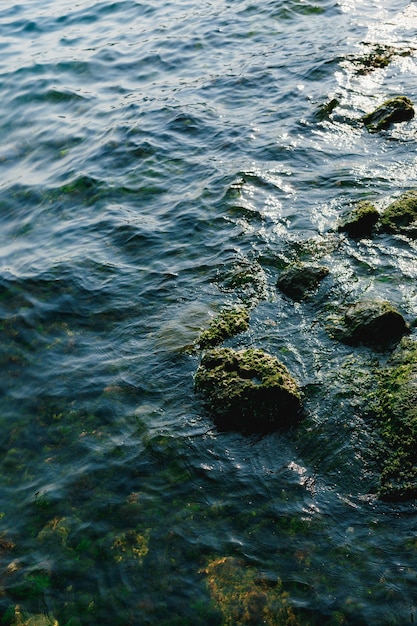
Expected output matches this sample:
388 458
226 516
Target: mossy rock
244 597
301 279
401 215
20 618
361 220
396 413
248 390
228 323
398 109
373 323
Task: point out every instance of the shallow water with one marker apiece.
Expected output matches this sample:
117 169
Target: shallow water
160 161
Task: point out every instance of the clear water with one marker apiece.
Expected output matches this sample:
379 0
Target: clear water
159 161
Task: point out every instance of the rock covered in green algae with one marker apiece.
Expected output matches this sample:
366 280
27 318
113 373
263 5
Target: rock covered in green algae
401 215
396 413
398 109
373 323
299 280
227 324
361 221
248 389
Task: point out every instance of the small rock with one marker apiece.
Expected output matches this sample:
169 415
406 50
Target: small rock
228 323
248 389
401 215
361 221
299 280
398 109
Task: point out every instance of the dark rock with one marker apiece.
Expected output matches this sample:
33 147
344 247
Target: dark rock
372 323
401 215
398 109
249 390
299 280
361 221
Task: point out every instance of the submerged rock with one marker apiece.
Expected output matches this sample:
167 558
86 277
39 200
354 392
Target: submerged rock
248 389
396 413
299 280
244 597
373 323
401 215
398 109
361 221
227 324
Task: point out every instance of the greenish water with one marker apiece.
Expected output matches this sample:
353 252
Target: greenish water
159 162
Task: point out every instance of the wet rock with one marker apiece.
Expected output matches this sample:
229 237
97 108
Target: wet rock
398 109
325 110
249 390
299 280
361 221
228 323
396 413
401 215
372 323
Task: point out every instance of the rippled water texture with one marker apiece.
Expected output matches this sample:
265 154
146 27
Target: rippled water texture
160 161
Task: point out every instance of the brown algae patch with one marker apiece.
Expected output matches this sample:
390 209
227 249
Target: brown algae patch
244 597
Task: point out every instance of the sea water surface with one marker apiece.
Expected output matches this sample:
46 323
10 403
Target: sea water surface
160 161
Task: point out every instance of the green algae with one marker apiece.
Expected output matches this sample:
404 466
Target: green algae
379 57
245 597
392 111
395 410
401 215
361 220
248 389
228 323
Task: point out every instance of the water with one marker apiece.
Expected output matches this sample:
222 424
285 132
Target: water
160 161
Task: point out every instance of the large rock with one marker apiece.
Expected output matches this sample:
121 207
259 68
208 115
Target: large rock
396 413
373 323
398 109
401 215
249 390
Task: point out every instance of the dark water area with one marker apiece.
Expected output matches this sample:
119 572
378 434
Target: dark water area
159 162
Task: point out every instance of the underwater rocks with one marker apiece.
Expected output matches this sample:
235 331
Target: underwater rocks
395 411
361 221
299 280
248 389
244 597
398 109
372 323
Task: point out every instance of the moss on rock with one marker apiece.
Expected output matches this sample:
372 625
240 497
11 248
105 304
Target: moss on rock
299 280
361 220
245 598
398 109
373 323
396 413
248 389
401 215
227 324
